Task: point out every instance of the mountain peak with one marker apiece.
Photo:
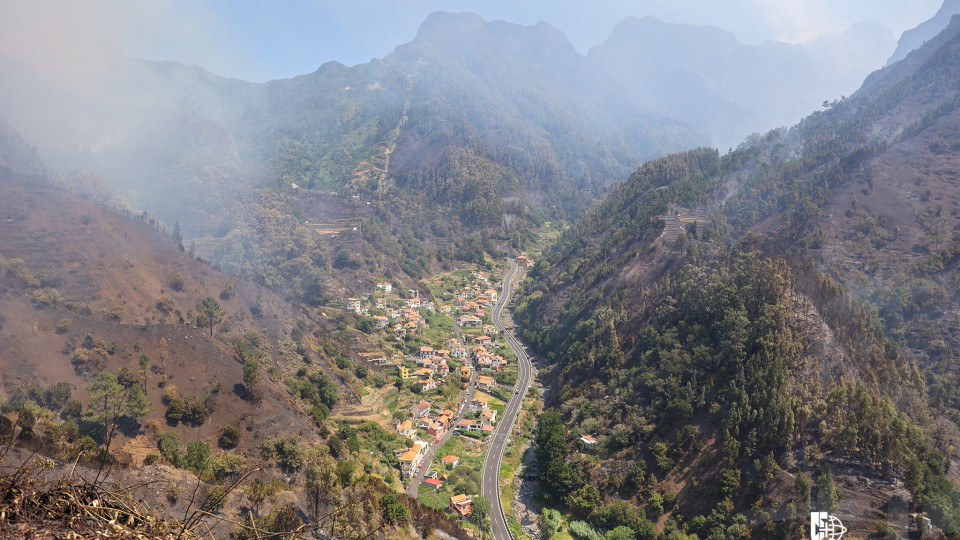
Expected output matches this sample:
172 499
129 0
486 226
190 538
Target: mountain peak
915 37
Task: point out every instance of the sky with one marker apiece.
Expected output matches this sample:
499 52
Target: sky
259 40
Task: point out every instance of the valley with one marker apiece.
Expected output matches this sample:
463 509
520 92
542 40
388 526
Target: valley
489 286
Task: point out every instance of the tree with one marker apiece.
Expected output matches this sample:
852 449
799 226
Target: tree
481 510
322 480
198 456
257 492
107 398
144 372
227 291
251 377
393 509
209 313
827 496
138 405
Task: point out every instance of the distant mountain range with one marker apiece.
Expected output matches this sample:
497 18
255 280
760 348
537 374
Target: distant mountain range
568 125
916 37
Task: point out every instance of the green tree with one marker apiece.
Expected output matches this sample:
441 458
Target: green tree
108 399
251 377
321 481
621 532
257 492
481 512
393 509
198 457
827 496
144 364
209 313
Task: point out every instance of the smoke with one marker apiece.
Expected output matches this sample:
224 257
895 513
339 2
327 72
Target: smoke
60 42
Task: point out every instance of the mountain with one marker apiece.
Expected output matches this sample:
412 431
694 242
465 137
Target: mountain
131 363
513 96
705 78
749 335
914 38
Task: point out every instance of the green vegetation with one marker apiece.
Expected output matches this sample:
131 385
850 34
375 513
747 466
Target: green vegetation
711 366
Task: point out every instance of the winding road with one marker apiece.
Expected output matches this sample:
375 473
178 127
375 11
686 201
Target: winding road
490 474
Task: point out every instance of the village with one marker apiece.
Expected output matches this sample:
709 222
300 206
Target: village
454 373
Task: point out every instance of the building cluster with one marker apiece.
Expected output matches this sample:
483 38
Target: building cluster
402 313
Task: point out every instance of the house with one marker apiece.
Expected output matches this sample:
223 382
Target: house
484 300
450 461
399 331
469 425
436 429
374 357
487 430
488 417
492 293
588 440
382 321
404 372
443 368
484 362
426 352
479 351
464 373
353 304
461 505
413 303
483 340
469 321
459 352
423 373
380 303
410 458
471 307
479 402
490 330
445 308
385 286
522 259
420 409
433 482
429 384
405 428
486 382
391 313
451 343
442 353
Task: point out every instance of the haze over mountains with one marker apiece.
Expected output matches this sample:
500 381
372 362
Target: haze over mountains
731 339
498 88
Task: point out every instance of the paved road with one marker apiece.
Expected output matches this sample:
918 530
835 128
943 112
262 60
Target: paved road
490 485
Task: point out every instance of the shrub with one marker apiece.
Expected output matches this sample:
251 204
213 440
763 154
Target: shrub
229 437
169 445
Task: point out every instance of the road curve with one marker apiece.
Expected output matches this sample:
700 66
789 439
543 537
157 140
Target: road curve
490 474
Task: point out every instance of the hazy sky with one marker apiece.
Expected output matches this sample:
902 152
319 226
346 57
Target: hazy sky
259 40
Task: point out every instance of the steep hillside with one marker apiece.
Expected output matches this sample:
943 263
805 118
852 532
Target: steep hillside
119 347
748 335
